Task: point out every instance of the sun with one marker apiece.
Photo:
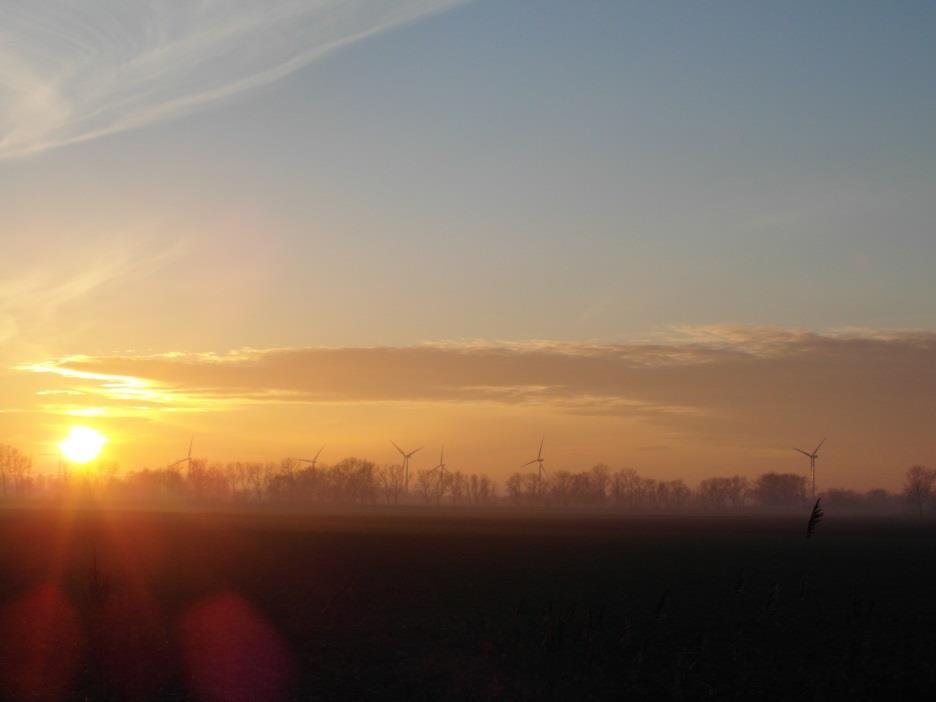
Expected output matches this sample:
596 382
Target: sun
82 444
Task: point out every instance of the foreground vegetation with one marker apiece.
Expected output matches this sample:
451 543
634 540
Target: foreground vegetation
121 605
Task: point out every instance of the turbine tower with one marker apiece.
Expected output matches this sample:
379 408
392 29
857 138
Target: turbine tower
441 469
406 459
541 470
188 458
314 460
812 463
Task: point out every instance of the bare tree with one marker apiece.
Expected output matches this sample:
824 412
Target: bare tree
723 492
524 488
392 481
15 467
630 491
458 487
352 480
480 490
879 499
599 482
427 485
918 486
776 489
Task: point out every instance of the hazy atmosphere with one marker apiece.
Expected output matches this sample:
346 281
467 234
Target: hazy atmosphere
467 350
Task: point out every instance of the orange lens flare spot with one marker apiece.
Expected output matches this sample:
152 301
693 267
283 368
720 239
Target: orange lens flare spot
233 653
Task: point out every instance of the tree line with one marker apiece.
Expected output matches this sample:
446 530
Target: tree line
355 481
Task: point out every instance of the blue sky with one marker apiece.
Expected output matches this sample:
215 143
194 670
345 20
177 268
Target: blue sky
731 176
543 170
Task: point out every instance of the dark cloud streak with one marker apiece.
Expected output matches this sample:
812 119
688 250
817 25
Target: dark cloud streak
754 382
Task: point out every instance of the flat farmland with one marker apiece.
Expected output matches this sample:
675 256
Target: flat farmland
106 604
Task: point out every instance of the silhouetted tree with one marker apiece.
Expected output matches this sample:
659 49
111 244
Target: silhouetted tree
780 489
719 493
358 481
878 499
427 485
443 485
391 480
283 487
15 467
481 490
673 494
458 487
354 480
625 488
559 490
524 488
918 486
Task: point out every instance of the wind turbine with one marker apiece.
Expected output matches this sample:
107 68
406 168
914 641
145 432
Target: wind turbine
441 469
541 470
314 460
406 459
188 458
812 463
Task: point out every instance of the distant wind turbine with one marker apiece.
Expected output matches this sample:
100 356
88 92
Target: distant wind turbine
812 462
541 469
406 460
441 466
188 458
441 469
314 460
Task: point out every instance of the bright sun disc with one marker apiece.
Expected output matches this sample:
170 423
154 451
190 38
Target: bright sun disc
82 444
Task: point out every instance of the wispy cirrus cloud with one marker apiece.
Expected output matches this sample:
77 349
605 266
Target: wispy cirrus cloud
34 292
70 71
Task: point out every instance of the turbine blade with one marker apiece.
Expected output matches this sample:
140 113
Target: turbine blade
530 463
539 454
819 446
315 458
398 448
808 455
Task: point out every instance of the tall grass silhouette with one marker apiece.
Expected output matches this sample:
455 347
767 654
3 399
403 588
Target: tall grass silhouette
815 518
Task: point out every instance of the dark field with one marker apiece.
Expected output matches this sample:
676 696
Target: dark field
113 605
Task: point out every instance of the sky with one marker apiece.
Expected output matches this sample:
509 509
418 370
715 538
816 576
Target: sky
678 237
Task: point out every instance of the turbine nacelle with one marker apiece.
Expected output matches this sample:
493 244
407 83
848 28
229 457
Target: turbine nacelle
406 459
540 466
313 462
539 457
407 456
441 466
188 457
812 456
